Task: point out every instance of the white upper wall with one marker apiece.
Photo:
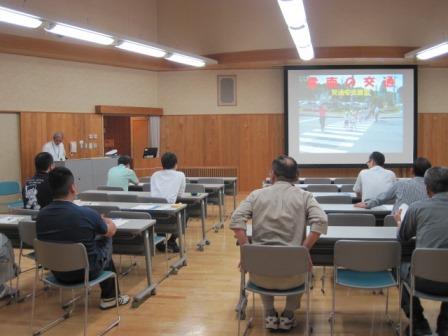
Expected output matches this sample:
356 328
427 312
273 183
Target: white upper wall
432 90
39 84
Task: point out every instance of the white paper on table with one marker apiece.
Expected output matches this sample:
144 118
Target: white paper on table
404 208
119 221
11 219
83 203
145 207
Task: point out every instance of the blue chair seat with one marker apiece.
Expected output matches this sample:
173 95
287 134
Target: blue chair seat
280 292
51 280
365 280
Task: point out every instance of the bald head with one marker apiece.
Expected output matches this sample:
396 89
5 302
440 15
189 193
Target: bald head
284 168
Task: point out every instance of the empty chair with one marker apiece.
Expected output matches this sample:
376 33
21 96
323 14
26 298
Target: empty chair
194 188
347 187
426 264
93 197
316 180
194 210
351 219
366 265
389 220
146 186
336 199
27 234
145 179
103 209
26 212
212 198
150 199
270 261
108 188
322 188
12 193
128 198
49 255
345 180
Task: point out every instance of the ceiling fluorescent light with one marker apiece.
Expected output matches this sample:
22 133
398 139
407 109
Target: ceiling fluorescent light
295 17
432 52
18 18
179 58
80 34
141 49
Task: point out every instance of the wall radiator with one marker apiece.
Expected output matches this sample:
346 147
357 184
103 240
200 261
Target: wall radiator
209 171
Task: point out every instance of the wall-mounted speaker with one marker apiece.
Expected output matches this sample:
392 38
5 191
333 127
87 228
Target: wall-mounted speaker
226 90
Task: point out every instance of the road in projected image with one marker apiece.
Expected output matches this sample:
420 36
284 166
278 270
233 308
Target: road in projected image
351 134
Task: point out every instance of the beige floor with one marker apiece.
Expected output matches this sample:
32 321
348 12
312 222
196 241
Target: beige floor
200 300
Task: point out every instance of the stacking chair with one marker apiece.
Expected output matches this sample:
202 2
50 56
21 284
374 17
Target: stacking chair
336 199
194 188
93 197
194 210
213 198
316 180
428 264
10 191
366 265
66 258
347 187
389 220
148 199
351 219
145 179
128 198
103 209
27 234
273 261
146 187
25 212
345 180
322 188
108 188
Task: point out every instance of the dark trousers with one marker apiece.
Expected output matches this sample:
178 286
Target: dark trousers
102 262
427 286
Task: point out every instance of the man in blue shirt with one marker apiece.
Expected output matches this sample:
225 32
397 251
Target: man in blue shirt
122 175
63 221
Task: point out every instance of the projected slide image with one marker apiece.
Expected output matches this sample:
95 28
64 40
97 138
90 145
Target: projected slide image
350 113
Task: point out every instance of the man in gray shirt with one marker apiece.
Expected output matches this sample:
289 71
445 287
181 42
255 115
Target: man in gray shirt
427 220
279 216
405 191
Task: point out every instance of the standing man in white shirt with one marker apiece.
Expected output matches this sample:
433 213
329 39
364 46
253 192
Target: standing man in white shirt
375 180
168 183
56 147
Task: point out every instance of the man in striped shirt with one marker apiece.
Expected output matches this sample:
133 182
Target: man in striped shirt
403 191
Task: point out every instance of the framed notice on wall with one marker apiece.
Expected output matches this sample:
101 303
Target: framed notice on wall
226 90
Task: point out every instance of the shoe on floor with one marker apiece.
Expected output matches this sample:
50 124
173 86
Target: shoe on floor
173 247
286 323
421 328
160 247
271 322
6 291
111 303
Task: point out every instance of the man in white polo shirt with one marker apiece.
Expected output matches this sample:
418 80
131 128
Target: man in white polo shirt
55 147
375 180
168 183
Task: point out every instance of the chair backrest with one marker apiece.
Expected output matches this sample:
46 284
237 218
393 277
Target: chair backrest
315 180
103 209
351 219
129 198
210 181
336 199
9 188
274 261
28 212
347 187
145 179
430 264
148 199
194 187
345 180
389 220
367 256
93 197
61 257
108 188
146 187
27 232
129 214
322 188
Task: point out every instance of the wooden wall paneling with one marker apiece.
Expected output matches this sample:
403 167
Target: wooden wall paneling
37 128
433 139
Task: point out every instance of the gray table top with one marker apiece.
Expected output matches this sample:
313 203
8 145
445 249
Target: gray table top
225 179
379 210
151 207
184 196
336 193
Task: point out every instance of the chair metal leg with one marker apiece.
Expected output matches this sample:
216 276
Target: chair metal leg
86 308
33 301
308 306
400 295
333 312
323 280
411 314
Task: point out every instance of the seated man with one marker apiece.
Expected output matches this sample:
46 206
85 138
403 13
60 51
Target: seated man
122 174
427 220
8 268
403 191
168 183
36 192
375 180
279 215
63 221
